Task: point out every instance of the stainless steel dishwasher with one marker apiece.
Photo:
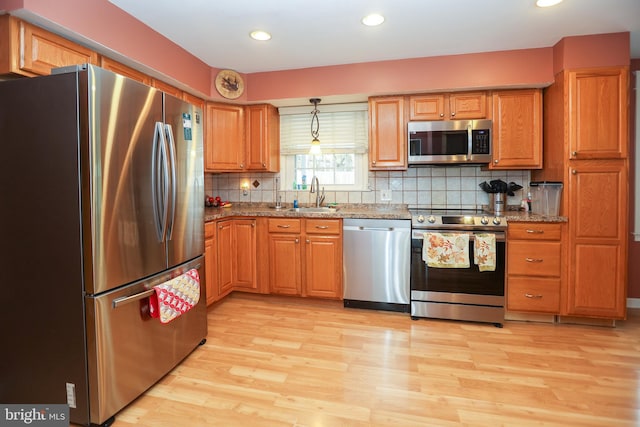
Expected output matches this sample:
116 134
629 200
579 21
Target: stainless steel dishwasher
377 254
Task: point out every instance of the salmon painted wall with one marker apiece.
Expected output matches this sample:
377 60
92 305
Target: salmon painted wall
517 68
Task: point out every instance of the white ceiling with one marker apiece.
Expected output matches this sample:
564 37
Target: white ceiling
309 33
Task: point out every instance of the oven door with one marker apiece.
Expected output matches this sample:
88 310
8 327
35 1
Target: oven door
469 281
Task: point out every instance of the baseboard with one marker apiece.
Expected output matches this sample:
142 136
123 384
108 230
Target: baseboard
633 302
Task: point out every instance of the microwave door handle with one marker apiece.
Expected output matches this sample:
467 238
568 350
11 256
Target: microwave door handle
469 141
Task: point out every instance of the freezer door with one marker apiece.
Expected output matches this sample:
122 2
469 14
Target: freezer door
128 350
125 237
184 130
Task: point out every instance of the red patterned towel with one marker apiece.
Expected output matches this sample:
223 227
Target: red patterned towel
175 297
446 250
484 252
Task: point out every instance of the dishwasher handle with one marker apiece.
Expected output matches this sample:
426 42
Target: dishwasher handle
386 229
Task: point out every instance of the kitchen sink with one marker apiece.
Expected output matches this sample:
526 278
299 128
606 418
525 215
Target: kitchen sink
311 209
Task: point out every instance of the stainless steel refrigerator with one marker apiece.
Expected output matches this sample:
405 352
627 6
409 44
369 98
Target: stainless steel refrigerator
101 188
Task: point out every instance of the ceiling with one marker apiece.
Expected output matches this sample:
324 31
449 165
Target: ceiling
328 32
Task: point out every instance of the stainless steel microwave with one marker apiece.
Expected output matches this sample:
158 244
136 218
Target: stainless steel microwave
449 142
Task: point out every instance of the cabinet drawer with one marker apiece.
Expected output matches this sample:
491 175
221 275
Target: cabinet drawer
533 294
323 226
284 225
534 231
533 259
209 230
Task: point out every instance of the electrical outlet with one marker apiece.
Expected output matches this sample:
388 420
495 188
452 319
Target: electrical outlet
385 195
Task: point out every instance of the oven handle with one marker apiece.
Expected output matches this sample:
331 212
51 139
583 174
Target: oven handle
500 235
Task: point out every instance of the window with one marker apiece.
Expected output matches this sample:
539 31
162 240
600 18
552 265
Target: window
343 164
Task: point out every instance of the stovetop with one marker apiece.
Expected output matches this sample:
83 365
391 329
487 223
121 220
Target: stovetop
455 219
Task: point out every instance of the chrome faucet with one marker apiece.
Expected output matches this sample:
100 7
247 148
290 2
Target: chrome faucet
315 188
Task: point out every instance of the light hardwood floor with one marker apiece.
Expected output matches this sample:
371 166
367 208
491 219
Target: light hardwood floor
276 361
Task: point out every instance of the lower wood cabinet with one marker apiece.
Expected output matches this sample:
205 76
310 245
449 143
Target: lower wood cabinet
305 257
535 267
210 262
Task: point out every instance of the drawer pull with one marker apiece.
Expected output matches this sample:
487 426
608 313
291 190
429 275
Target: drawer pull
283 226
533 296
535 231
533 259
322 227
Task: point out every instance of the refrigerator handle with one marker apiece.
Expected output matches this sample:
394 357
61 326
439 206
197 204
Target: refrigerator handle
172 170
160 181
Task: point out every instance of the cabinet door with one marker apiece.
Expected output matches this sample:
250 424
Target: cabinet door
517 129
285 264
598 108
224 143
262 138
387 134
123 70
43 51
224 238
244 254
211 263
323 265
468 105
598 239
427 107
167 88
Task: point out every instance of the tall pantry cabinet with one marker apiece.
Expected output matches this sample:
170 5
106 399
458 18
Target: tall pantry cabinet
586 147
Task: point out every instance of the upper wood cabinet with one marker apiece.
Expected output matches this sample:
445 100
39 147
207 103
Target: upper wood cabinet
194 100
449 106
598 106
242 138
224 143
387 133
29 50
262 138
517 129
124 70
167 88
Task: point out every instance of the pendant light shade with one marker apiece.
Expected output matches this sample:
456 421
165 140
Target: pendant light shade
315 128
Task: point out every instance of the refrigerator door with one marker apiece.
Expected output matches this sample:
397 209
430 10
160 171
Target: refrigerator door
123 117
184 130
128 350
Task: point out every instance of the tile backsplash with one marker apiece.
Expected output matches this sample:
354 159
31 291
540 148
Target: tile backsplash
450 187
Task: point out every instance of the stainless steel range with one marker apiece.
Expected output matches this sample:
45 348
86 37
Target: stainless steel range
466 293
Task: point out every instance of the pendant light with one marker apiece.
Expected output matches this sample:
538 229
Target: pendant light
315 128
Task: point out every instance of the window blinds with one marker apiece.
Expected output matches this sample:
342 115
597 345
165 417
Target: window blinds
343 129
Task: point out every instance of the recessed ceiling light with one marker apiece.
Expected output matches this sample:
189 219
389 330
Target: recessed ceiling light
547 3
373 20
260 35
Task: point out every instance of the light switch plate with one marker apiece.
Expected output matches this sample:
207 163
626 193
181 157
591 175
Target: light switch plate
385 195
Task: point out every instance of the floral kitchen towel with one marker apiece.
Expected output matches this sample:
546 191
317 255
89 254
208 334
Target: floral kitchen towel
446 250
175 297
484 251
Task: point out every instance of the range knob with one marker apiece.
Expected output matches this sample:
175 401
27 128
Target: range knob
431 219
420 218
484 220
497 220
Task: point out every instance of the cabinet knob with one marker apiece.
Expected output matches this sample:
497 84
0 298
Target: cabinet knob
574 154
495 162
264 165
220 227
574 172
297 240
453 114
373 161
241 165
441 114
253 224
308 241
533 296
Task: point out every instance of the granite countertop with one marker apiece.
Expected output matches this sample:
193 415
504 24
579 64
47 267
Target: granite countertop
374 211
343 211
